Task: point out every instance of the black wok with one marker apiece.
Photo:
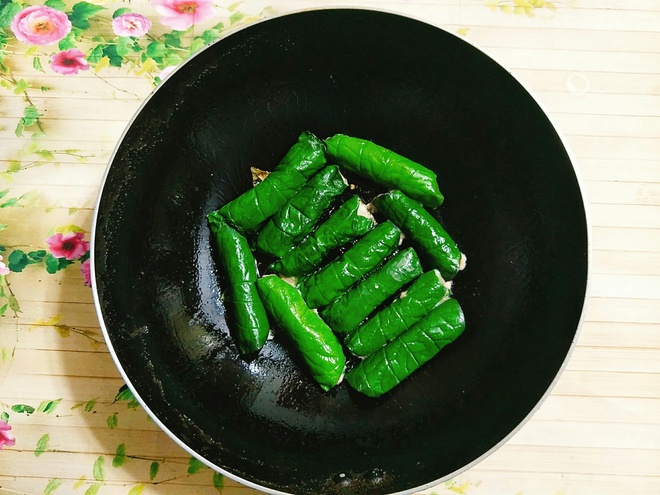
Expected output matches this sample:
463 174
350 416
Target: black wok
513 204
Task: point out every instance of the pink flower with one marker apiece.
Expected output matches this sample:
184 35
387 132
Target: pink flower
70 246
87 272
181 14
6 438
69 62
166 72
40 25
4 270
131 25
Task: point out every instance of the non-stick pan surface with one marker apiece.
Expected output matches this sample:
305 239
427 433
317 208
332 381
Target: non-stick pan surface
512 203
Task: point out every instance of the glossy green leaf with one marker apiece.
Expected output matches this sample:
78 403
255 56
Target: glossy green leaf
42 445
4 416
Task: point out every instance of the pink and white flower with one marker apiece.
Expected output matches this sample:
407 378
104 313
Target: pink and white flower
6 438
181 14
70 246
87 272
4 269
69 62
40 25
131 25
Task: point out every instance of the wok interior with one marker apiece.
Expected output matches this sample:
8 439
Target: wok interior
512 203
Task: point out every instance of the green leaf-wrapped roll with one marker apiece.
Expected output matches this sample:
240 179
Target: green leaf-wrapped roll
262 201
351 308
301 213
424 294
429 237
314 340
328 283
388 366
248 319
348 222
386 168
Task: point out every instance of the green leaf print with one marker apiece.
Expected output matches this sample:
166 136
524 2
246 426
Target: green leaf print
98 471
53 264
89 405
22 408
218 481
55 4
93 489
136 490
7 13
48 406
17 261
81 13
120 456
112 421
195 466
42 445
153 470
52 486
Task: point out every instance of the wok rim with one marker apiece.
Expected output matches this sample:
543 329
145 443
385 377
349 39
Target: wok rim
129 126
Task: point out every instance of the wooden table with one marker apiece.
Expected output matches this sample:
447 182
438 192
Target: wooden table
593 64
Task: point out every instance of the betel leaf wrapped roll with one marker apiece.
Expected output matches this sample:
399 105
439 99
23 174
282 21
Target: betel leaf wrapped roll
301 213
350 221
318 346
385 368
429 237
426 293
332 280
385 167
248 320
256 205
351 308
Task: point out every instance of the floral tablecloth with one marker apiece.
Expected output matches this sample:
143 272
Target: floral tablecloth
72 73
